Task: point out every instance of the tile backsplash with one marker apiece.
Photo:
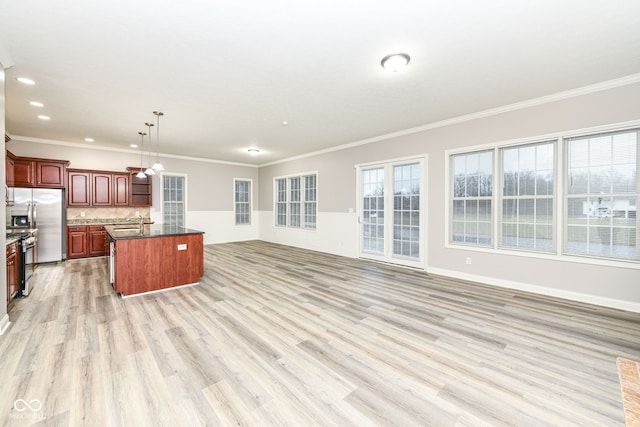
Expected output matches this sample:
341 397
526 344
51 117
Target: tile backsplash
101 213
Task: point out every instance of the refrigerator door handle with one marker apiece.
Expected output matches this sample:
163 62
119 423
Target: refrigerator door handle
33 215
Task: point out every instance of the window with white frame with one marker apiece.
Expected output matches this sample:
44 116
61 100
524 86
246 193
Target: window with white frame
598 202
242 201
472 198
295 201
173 199
602 195
527 196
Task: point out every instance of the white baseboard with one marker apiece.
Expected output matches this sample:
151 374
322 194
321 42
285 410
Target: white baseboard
4 324
542 290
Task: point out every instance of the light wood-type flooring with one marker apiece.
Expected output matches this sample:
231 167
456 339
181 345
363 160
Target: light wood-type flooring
275 335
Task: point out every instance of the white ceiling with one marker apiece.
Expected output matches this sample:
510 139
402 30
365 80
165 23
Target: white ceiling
227 74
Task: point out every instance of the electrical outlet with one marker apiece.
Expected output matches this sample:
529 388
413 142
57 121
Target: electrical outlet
137 213
468 260
82 214
182 247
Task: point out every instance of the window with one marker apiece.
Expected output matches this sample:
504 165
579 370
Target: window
472 198
242 201
602 195
598 204
527 197
173 199
296 201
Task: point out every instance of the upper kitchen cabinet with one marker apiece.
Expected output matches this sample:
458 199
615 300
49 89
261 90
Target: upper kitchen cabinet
121 189
24 173
140 189
33 172
78 188
50 174
101 189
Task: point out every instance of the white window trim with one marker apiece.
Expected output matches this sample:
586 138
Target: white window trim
250 201
274 199
186 183
559 136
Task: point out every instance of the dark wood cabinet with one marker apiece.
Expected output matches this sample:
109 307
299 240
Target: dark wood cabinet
121 189
97 241
101 189
9 167
50 174
12 271
140 189
78 188
24 174
77 242
34 172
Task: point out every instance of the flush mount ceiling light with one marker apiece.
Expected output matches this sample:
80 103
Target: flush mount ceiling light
395 62
25 80
43 117
253 151
89 139
36 104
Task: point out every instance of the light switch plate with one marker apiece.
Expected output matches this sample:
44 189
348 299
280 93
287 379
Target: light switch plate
182 247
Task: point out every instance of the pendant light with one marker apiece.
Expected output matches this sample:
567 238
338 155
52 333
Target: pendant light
141 174
149 170
157 166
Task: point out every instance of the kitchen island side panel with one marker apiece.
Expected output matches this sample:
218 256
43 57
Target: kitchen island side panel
154 263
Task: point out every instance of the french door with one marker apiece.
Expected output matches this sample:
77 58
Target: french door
391 212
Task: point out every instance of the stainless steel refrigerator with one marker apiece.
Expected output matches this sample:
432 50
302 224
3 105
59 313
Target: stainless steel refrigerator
44 210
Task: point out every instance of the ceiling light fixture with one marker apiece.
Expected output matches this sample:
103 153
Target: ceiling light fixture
26 80
89 139
36 104
157 166
133 145
149 170
253 151
43 117
140 173
395 62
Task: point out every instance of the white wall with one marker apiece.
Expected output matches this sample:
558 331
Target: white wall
4 318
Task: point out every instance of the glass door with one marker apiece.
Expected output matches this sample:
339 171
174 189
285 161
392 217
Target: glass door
391 212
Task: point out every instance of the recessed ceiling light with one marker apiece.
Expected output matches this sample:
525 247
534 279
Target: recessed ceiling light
26 80
284 123
133 145
43 117
36 104
253 151
395 62
89 139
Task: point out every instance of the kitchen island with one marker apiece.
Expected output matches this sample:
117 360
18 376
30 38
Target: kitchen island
154 257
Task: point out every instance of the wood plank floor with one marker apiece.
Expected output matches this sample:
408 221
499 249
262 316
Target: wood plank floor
275 335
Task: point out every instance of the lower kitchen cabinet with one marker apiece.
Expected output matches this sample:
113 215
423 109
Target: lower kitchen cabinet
13 271
98 241
77 242
85 241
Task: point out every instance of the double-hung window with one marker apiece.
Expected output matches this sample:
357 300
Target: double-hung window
527 196
173 199
242 201
584 205
472 214
296 201
602 195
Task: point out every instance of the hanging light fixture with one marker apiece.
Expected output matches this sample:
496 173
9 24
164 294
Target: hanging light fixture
141 174
149 170
157 166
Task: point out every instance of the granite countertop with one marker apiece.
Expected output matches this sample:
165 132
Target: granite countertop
150 230
11 240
